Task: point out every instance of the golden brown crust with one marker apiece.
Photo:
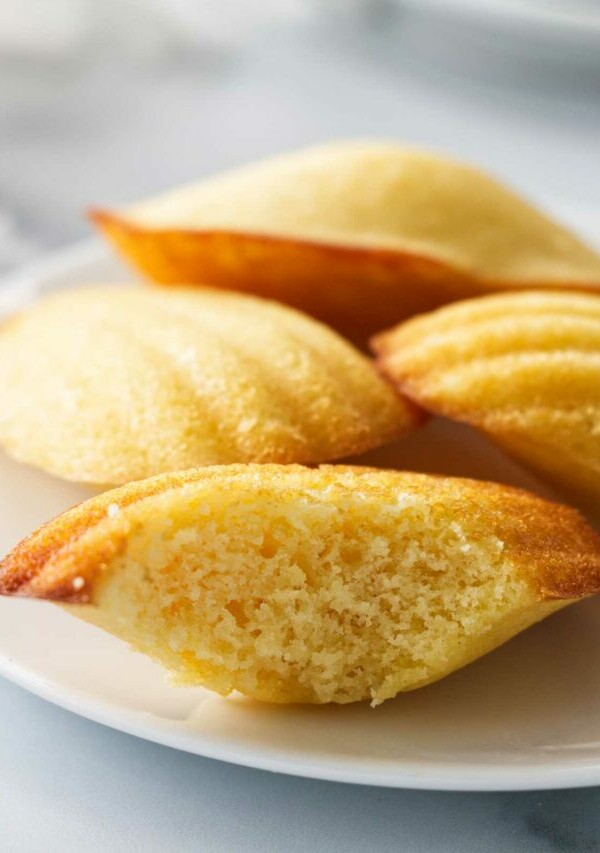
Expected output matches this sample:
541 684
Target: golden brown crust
22 570
364 286
549 544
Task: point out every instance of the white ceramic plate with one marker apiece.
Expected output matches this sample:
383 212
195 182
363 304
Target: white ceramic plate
526 716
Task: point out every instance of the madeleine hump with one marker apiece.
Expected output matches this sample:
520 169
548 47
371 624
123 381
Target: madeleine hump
359 234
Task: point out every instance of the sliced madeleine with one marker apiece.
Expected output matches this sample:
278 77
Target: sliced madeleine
295 585
524 368
359 234
109 384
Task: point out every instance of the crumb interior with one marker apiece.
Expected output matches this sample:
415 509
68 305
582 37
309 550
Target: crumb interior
305 599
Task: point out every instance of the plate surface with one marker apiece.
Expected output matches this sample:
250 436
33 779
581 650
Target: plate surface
525 716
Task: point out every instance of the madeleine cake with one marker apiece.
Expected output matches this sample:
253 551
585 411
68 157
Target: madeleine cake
359 234
523 367
110 384
291 584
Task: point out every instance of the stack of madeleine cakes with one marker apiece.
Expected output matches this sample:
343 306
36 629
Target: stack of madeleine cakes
204 394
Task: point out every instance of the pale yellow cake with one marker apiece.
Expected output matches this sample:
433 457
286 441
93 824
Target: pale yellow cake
111 384
525 368
291 584
360 234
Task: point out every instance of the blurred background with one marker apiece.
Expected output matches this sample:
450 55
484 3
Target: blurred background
106 101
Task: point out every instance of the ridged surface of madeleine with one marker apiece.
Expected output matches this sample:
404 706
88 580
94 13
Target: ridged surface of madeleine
335 584
110 384
525 368
360 234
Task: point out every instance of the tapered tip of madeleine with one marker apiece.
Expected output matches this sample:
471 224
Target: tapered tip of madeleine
21 576
98 215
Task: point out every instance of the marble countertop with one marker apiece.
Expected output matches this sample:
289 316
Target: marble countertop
71 785
106 128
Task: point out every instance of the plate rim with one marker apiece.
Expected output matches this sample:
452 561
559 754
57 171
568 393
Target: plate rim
466 777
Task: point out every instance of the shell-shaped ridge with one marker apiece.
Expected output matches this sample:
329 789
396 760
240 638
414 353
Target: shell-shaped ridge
110 384
523 367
